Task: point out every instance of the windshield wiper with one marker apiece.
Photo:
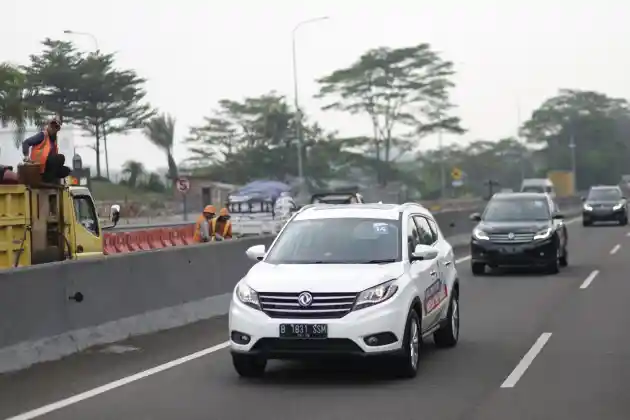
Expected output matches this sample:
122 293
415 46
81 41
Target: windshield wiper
383 261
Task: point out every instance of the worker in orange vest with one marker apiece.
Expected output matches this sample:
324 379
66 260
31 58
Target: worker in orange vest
202 226
221 226
44 149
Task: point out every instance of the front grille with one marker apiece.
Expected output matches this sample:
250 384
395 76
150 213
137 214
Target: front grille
519 238
324 305
323 346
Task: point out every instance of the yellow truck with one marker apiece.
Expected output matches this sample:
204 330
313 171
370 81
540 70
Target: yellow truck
563 183
48 223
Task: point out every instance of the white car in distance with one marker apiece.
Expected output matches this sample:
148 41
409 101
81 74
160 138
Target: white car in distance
355 280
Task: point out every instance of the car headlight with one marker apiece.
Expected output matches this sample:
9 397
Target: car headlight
587 207
247 295
375 295
480 235
543 234
618 207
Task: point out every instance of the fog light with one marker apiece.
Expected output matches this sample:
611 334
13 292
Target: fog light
380 339
239 337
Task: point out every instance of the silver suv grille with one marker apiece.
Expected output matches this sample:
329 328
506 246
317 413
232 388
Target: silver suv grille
324 305
504 238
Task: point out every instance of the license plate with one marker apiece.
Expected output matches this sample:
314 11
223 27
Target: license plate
303 330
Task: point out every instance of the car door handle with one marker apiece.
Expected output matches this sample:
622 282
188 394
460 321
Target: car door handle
433 273
447 263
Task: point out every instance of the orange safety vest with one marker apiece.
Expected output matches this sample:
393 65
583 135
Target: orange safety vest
198 223
226 229
40 152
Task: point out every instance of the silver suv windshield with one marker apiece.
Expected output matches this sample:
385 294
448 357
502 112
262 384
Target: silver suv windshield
338 241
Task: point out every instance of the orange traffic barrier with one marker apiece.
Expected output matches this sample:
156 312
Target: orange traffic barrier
144 240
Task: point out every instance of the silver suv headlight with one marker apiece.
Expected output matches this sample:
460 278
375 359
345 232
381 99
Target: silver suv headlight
375 295
247 295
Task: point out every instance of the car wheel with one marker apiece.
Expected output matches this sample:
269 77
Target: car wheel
406 365
554 266
586 223
564 259
448 335
249 366
624 221
478 269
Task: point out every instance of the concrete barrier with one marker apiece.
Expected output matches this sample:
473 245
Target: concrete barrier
53 310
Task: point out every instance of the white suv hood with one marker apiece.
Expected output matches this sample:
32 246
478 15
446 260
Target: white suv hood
320 278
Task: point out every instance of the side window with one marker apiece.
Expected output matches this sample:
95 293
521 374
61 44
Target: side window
412 236
424 231
434 229
86 213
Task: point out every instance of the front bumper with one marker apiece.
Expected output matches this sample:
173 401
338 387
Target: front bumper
604 215
535 253
345 335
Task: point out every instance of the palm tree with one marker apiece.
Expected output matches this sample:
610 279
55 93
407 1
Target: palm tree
160 131
135 170
14 106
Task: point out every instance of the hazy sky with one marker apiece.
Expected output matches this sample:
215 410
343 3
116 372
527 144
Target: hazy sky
195 52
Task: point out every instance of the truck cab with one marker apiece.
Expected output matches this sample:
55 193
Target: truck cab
46 223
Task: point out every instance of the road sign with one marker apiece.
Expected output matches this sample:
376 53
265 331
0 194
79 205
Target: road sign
183 185
456 173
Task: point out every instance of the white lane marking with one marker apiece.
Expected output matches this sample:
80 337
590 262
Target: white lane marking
116 384
587 281
462 259
526 361
615 249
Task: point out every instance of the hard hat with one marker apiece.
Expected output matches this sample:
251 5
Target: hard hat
210 209
224 212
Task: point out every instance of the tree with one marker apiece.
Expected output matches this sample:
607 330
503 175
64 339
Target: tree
134 171
160 131
399 89
109 101
53 78
15 106
598 126
256 138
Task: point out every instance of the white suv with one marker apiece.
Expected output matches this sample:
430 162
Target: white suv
354 280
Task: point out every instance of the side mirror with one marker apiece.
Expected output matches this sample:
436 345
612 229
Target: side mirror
423 253
114 214
256 252
558 216
475 217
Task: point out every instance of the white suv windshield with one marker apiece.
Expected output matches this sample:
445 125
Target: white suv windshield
338 241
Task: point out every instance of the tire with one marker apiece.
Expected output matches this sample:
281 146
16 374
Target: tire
564 259
624 222
585 223
448 335
478 269
554 267
406 365
248 366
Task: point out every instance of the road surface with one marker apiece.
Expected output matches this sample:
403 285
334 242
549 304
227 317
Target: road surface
532 347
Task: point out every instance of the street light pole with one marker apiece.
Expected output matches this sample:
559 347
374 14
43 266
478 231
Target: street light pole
298 112
96 52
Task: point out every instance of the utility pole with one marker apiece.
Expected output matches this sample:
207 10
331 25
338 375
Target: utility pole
442 166
572 146
298 112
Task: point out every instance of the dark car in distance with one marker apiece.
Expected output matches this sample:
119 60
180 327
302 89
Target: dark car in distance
519 230
605 204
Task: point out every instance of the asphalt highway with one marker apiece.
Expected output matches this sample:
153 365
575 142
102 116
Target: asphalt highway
532 347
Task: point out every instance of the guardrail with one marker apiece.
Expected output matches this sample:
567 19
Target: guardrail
53 310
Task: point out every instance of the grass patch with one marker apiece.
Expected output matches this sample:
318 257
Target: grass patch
107 191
